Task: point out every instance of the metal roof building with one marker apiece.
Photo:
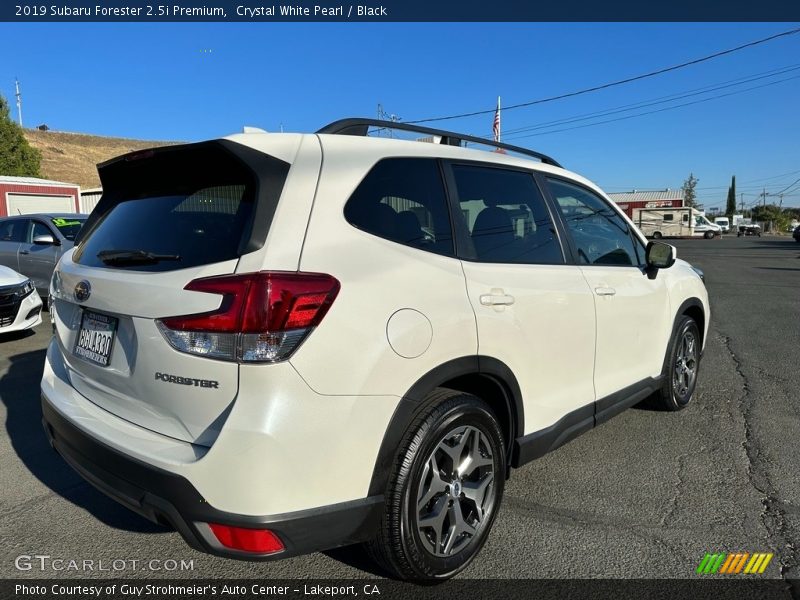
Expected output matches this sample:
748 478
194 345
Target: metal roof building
25 195
648 196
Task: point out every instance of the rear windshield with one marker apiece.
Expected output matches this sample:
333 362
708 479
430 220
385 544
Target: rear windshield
182 209
68 227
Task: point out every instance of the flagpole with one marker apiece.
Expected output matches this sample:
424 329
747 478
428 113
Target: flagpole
499 123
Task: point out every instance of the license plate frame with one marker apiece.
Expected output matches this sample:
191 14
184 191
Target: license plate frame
96 349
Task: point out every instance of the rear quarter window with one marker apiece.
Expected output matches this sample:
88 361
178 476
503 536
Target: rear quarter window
403 200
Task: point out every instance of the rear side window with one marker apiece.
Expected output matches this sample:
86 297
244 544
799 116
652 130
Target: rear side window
13 231
506 215
403 200
172 211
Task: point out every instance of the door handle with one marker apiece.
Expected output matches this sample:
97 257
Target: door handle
24 252
497 297
605 291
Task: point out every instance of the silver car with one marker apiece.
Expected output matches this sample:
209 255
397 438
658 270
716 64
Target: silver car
32 244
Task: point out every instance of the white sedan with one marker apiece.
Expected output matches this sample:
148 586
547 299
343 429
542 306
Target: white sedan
20 305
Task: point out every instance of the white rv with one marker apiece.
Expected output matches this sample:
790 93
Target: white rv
676 222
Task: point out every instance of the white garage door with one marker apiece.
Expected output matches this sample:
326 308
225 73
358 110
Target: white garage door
25 204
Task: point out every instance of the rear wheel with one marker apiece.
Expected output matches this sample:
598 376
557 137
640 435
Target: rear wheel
657 235
445 489
683 362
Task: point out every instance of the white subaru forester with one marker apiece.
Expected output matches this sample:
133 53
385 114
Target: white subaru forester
282 343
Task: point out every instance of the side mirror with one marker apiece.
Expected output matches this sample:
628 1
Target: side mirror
44 240
659 255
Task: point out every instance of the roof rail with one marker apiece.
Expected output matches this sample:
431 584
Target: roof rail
360 127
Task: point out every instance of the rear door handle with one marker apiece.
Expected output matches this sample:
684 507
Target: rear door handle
497 297
24 252
605 291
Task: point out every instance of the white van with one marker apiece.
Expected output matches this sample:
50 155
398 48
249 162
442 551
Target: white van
674 222
724 224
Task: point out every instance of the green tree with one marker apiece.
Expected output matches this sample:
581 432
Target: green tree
689 194
16 155
730 209
771 215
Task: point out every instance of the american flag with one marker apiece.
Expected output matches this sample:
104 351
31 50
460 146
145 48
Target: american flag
496 124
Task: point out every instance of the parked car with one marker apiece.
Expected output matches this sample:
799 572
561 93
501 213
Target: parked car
277 355
796 234
20 308
748 229
32 244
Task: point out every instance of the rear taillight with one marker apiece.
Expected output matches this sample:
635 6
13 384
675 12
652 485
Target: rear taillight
263 317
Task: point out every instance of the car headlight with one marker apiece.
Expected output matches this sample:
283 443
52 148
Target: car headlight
26 288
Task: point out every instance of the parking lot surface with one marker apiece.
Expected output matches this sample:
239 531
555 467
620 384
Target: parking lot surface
645 495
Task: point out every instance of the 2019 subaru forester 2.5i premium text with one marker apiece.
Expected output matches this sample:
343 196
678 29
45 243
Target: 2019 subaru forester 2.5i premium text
282 343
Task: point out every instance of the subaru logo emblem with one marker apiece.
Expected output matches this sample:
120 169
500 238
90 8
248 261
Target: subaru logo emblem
82 291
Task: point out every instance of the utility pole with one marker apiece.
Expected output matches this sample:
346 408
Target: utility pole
384 116
19 101
741 200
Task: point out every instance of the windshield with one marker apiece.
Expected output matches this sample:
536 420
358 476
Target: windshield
70 227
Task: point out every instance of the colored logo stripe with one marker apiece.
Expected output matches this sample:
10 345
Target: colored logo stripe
734 563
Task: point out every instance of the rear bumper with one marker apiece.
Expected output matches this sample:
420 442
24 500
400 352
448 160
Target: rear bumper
168 498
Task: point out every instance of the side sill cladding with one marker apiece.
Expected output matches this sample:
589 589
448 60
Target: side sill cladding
414 401
571 425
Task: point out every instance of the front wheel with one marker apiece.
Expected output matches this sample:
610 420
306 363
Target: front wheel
445 489
682 364
709 234
657 235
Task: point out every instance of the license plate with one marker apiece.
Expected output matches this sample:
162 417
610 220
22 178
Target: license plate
96 337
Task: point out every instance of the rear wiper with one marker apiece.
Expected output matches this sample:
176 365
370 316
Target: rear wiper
133 257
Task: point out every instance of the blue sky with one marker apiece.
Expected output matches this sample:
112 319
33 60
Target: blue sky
195 81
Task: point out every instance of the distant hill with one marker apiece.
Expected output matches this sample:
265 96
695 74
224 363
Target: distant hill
73 157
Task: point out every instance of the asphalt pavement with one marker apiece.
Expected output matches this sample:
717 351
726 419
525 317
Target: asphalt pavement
645 495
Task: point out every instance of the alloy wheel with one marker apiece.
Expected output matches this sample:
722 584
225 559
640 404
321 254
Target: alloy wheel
456 493
685 370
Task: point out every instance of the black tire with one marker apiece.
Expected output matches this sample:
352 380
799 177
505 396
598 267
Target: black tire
708 235
679 385
657 235
404 547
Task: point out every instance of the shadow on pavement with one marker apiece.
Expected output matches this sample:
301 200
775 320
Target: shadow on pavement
19 391
779 244
356 557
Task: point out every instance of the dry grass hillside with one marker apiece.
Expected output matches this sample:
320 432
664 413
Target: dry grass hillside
73 157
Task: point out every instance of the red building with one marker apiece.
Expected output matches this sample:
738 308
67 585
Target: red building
628 201
25 195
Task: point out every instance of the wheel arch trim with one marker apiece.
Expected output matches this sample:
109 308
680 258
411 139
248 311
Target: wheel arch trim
413 401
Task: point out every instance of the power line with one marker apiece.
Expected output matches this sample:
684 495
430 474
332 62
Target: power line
772 177
656 101
651 112
618 82
788 186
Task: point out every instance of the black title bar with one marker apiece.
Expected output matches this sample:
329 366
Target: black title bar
265 11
